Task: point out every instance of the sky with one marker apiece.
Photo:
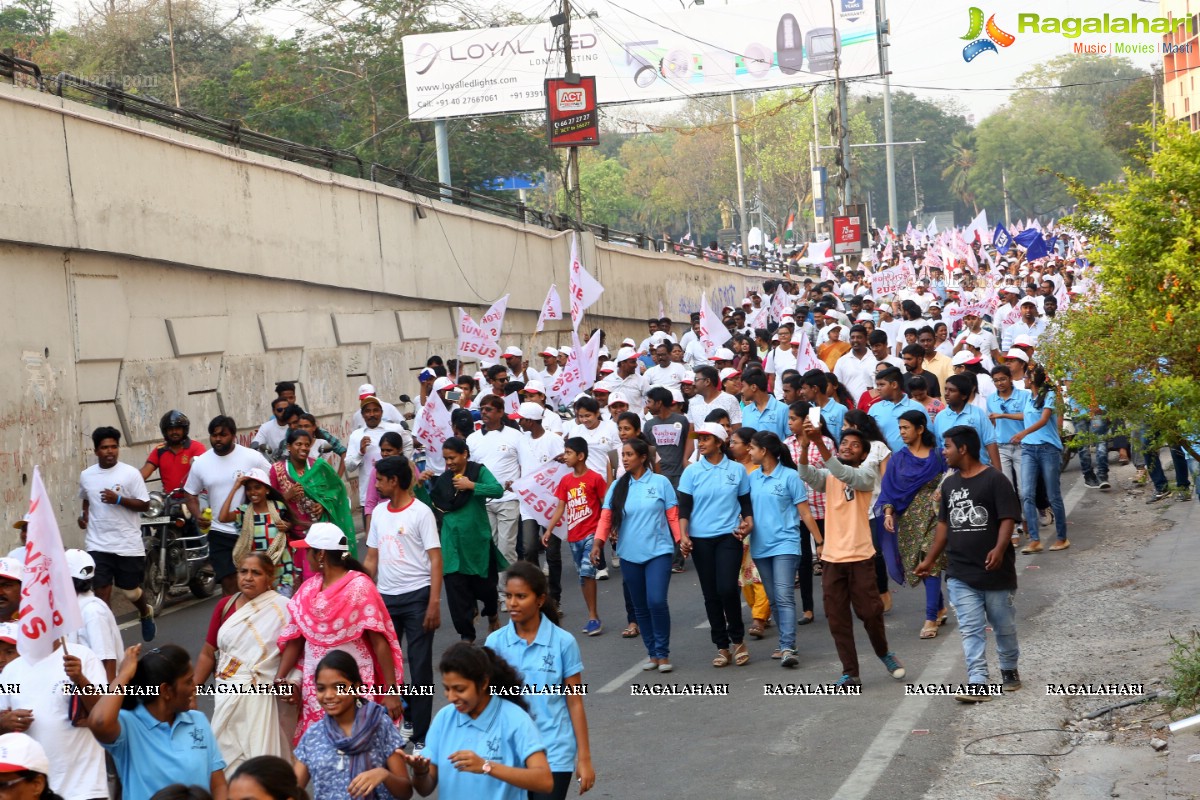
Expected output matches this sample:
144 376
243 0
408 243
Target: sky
926 53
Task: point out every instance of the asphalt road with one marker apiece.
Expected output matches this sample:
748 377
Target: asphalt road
879 745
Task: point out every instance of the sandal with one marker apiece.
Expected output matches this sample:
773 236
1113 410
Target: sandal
817 568
930 629
741 656
723 658
757 629
942 616
631 631
778 654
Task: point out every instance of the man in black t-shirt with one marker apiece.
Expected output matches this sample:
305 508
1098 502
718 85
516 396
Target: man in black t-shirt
978 511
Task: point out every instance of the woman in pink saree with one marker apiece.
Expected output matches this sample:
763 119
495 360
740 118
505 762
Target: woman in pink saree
338 608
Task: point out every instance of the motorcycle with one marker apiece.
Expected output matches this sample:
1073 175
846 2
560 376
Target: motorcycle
1068 436
176 550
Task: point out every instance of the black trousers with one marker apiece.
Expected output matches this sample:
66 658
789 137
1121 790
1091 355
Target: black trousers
408 616
531 547
562 784
718 561
464 593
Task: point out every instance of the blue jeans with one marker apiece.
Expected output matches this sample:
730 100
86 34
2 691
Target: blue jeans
1044 460
648 585
1096 426
976 609
933 597
777 573
1159 478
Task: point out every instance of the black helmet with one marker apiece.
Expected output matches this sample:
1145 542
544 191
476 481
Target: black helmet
174 419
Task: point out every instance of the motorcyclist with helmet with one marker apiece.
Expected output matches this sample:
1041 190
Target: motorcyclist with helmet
173 458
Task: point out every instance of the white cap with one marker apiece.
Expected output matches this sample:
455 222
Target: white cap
964 357
365 390
1010 290
729 372
8 632
530 411
723 354
618 397
565 351
81 565
11 569
976 339
688 377
443 383
550 351
712 429
257 474
627 342
935 302
1028 301
323 536
513 351
535 387
603 351
1024 340
676 396
867 316
597 389
20 752
1017 352
658 338
624 354
608 366
868 299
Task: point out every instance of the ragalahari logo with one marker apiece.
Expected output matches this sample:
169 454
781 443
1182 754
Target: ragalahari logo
994 37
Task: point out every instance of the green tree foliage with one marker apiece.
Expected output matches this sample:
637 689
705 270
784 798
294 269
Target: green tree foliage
1141 334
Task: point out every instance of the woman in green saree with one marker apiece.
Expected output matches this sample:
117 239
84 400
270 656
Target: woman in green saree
314 493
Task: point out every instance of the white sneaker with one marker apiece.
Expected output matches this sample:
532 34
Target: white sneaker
602 575
1046 518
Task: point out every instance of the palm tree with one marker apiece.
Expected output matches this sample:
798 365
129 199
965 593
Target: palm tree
958 171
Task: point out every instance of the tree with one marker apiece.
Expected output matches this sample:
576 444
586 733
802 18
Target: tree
958 172
1139 337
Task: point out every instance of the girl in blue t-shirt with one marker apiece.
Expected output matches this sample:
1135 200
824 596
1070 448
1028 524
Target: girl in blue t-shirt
547 656
355 749
640 511
484 745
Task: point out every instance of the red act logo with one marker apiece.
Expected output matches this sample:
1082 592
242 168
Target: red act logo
572 99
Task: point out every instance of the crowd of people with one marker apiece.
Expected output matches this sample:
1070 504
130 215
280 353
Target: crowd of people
825 433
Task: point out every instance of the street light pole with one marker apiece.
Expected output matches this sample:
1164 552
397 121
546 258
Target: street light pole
884 65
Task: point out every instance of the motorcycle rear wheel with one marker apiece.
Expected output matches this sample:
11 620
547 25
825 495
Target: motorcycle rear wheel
204 583
154 585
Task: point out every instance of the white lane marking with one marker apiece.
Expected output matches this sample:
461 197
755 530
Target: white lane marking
894 733
177 607
624 678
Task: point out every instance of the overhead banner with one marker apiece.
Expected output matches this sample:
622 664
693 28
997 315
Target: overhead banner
638 53
571 119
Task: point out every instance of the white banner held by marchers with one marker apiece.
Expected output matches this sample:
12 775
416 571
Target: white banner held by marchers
49 604
433 426
493 319
713 332
890 281
584 289
551 309
537 489
473 342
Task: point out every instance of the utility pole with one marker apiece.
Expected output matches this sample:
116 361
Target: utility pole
573 186
843 126
441 143
1004 189
814 160
885 30
741 183
171 39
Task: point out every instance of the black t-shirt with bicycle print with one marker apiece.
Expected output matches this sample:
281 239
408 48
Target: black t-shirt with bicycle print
972 509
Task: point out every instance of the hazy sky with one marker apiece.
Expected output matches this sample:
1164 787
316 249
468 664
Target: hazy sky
926 52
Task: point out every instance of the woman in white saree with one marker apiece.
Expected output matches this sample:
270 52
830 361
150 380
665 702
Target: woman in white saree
242 649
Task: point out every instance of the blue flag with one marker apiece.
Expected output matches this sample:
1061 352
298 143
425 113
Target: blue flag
1001 240
1025 238
1036 249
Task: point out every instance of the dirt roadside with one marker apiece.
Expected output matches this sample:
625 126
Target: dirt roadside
1110 604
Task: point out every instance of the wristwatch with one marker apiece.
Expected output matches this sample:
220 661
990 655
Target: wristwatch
487 767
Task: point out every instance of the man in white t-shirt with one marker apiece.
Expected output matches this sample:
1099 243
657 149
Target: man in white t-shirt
665 372
271 433
540 448
216 472
709 396
404 556
362 450
38 708
780 359
99 633
856 369
390 412
626 380
114 496
498 447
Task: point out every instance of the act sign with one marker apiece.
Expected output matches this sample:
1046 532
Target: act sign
847 235
571 118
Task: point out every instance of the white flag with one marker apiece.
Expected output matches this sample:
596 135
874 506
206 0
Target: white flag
493 320
661 312
931 228
589 359
778 304
433 426
807 359
551 309
512 404
473 342
713 332
585 289
49 605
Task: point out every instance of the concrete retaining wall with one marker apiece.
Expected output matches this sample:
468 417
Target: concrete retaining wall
148 269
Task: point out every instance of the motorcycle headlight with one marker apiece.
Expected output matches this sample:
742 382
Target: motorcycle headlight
158 501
